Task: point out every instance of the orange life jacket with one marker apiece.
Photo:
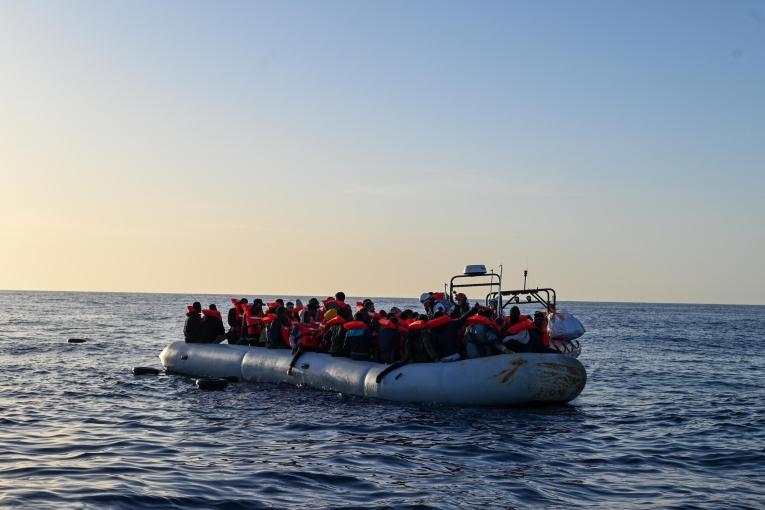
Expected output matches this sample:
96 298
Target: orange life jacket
438 321
521 325
308 336
417 325
211 313
335 320
355 325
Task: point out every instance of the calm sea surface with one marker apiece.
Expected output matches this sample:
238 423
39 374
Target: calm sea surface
673 416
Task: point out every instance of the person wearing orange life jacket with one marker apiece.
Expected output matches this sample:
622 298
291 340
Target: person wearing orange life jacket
192 327
211 327
279 330
358 337
444 334
252 322
418 348
515 332
306 333
235 317
340 301
310 313
298 308
482 335
388 339
539 338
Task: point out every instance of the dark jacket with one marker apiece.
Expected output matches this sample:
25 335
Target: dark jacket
192 329
211 328
418 347
359 344
274 338
388 341
337 340
444 338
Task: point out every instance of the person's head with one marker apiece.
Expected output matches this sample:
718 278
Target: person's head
539 319
406 314
197 306
485 311
515 314
422 317
280 301
460 298
383 314
290 306
426 297
298 303
394 310
313 303
244 301
340 296
369 306
213 307
282 314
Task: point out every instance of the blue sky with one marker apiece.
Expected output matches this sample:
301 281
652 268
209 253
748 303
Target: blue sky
614 148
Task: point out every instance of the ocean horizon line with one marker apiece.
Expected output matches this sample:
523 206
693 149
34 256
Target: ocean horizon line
308 295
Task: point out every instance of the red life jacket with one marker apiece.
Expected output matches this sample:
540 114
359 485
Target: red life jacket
418 325
237 310
309 336
335 320
521 325
211 313
286 330
482 319
253 322
438 321
355 325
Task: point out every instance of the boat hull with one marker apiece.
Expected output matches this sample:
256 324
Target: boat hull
504 379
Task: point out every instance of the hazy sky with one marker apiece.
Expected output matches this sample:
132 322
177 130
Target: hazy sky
616 149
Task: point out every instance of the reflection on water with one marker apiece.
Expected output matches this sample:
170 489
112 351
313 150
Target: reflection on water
672 415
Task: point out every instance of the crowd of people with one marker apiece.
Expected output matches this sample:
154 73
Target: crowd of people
446 331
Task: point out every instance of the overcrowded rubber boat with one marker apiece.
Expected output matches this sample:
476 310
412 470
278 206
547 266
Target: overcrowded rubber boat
504 378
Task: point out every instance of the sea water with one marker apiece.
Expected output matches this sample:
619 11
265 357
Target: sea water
673 416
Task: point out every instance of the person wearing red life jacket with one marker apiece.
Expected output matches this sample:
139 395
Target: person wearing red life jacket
358 337
340 301
539 338
444 333
310 313
388 339
192 327
211 327
298 308
235 318
482 335
515 332
279 330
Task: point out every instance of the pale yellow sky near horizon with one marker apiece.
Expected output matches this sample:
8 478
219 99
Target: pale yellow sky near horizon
280 161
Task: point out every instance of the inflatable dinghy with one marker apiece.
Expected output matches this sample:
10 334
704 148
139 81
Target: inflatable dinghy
504 379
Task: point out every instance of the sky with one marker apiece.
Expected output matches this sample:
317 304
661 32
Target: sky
614 149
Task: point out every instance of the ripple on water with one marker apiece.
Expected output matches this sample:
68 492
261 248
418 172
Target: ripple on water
667 419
